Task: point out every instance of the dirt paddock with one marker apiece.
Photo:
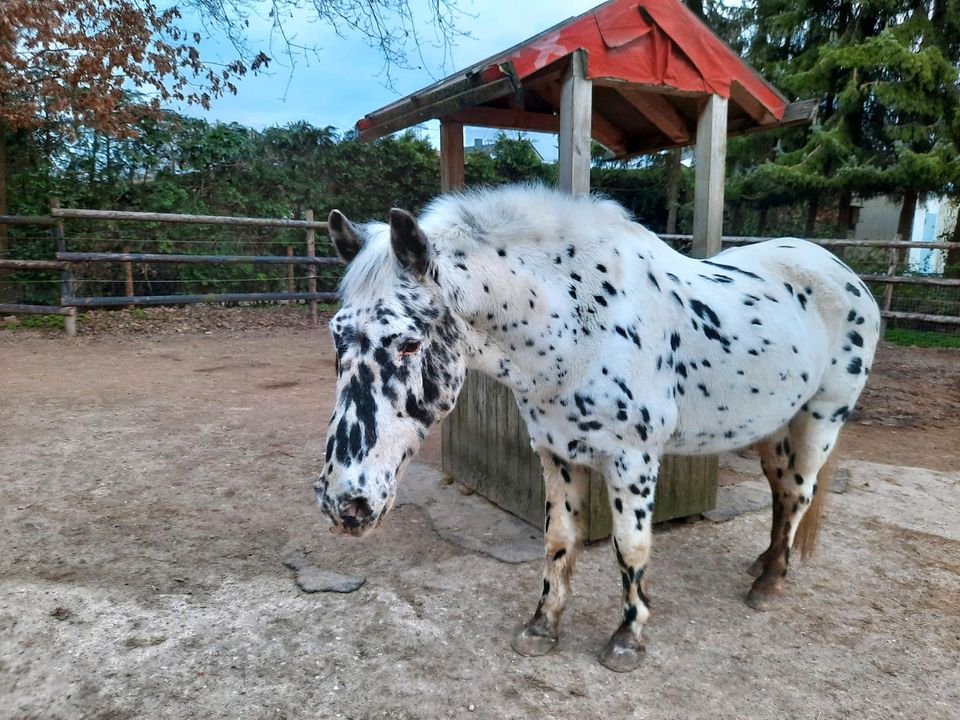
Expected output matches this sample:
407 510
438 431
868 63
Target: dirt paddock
152 482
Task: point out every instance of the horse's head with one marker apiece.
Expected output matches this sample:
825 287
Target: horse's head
400 366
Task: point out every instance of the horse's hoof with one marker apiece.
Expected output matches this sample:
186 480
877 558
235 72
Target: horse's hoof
763 601
624 651
756 568
532 644
622 657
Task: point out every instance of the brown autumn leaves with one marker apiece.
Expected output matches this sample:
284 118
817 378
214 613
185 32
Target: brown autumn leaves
101 64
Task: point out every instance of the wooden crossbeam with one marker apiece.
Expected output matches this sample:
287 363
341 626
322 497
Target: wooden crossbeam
659 111
509 119
603 131
753 107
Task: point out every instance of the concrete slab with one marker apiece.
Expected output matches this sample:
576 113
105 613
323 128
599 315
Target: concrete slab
735 500
467 520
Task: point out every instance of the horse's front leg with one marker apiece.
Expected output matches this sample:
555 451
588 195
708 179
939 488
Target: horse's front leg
631 486
565 488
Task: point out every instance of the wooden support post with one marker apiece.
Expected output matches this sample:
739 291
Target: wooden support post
66 277
128 277
576 109
312 271
451 156
710 162
710 159
451 178
290 283
888 289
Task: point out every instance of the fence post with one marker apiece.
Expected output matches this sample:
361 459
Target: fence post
290 285
128 276
312 273
66 277
888 288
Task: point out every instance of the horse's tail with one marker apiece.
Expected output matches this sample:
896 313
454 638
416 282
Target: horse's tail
805 541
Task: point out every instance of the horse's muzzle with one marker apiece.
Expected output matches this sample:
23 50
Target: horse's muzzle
350 516
355 512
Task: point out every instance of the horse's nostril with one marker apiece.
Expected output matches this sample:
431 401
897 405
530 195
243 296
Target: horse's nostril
355 512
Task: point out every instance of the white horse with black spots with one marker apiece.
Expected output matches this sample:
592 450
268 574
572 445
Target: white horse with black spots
618 350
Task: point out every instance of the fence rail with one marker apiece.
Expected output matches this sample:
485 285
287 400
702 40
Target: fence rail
116 300
20 309
32 264
83 214
197 259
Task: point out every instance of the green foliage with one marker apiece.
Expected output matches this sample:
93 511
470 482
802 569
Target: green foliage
185 165
921 338
510 160
37 321
886 74
643 190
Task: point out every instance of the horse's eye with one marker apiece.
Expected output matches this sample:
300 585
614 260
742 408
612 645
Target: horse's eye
408 347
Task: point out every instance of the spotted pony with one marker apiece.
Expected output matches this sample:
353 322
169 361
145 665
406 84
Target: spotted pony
617 348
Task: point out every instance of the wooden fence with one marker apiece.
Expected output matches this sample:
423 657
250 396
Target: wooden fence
66 262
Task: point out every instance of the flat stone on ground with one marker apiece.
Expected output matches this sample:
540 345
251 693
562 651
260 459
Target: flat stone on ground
735 500
311 578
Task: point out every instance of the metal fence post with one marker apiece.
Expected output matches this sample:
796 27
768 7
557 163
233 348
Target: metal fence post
66 277
312 273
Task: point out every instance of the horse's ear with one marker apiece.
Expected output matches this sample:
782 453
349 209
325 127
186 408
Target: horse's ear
345 237
409 244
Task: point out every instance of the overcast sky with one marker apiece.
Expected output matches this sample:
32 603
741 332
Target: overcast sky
347 80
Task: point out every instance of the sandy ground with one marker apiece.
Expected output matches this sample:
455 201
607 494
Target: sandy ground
152 485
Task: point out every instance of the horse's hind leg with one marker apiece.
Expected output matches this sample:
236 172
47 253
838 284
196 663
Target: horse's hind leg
794 462
565 488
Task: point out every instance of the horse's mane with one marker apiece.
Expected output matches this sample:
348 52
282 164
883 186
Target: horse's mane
505 216
375 268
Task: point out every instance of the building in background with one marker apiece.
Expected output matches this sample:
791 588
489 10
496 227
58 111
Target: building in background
877 218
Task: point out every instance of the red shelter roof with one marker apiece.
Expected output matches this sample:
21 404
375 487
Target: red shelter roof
650 62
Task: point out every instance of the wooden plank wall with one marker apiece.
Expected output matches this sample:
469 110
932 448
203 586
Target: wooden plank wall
486 447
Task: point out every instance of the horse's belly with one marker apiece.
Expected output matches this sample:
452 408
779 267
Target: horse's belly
726 409
738 425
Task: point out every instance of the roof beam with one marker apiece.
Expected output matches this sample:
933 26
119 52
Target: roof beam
751 106
659 111
801 112
510 119
372 127
604 131
609 135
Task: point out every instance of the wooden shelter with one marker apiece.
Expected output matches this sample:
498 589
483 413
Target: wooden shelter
636 76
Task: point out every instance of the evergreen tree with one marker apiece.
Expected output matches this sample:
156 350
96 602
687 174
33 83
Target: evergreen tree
886 72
